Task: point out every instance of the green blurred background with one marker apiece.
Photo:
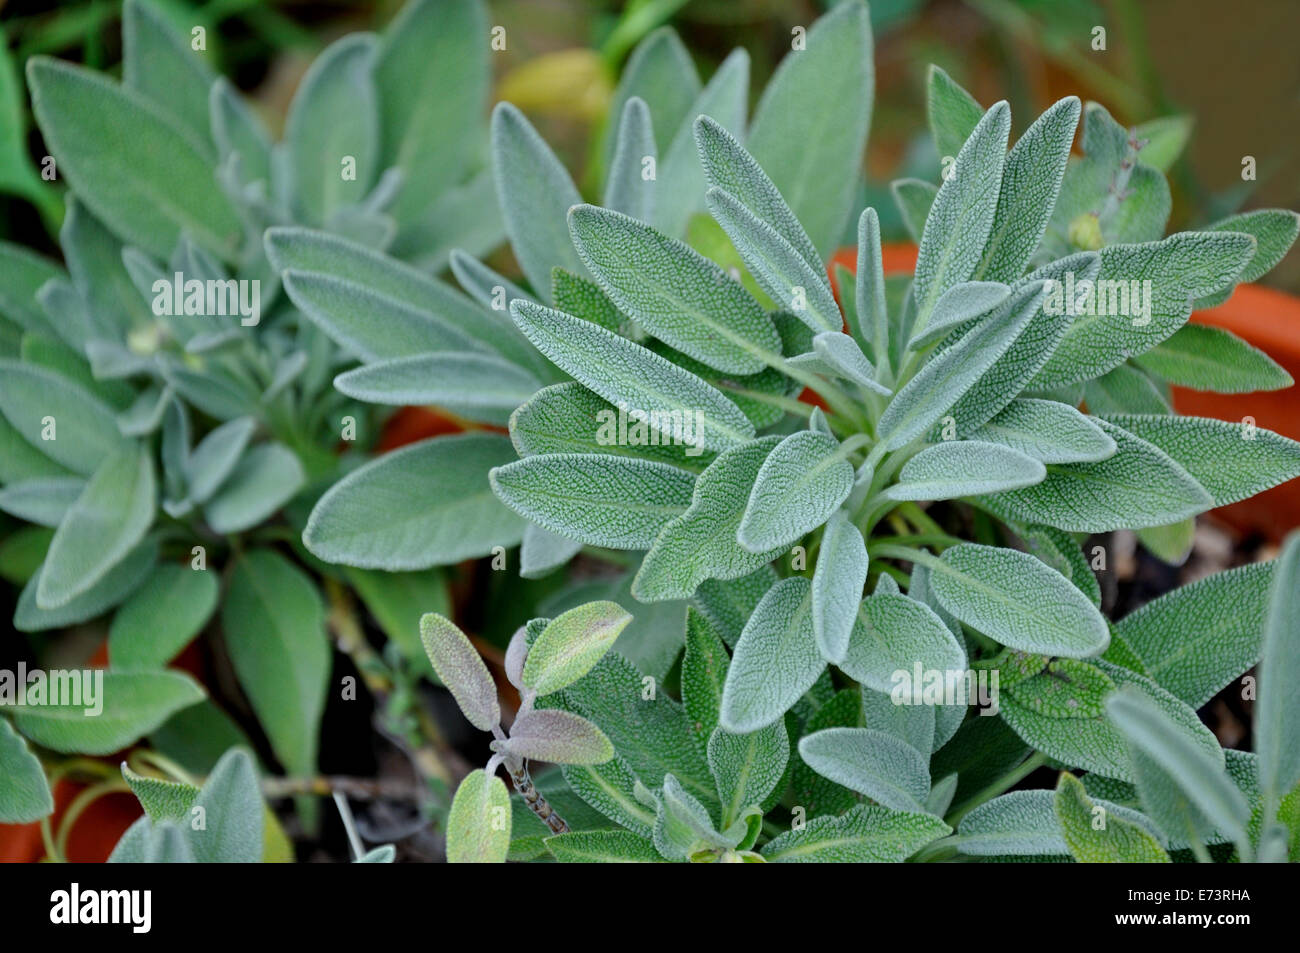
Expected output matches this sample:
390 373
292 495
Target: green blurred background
1230 69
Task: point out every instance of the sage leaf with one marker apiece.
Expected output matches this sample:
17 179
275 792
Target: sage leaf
958 468
842 355
274 626
215 457
868 833
1213 359
837 585
870 762
747 767
776 659
571 644
891 633
367 519
802 482
674 292
83 430
1048 431
704 673
478 824
26 796
460 668
478 386
627 190
118 583
230 801
265 479
108 519
1016 599
960 304
159 65
41 500
603 847
560 737
624 372
1275 712
161 617
952 112
1115 841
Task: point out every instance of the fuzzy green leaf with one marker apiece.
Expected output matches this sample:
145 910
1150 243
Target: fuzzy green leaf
626 188
158 64
837 585
870 762
776 659
265 479
118 583
747 767
478 825
952 112
1277 710
1117 841
368 519
26 794
603 847
1206 358
674 292
801 483
1048 431
893 632
704 673
478 386
161 617
83 430
560 737
571 644
945 471
868 833
1016 599
460 668
617 502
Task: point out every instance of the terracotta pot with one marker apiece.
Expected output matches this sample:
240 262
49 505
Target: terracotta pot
1266 318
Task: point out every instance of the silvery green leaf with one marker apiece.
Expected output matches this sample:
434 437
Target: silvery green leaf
159 65
891 634
106 521
682 824
161 617
1064 688
118 583
653 735
914 198
1115 840
571 644
568 418
1048 431
1164 139
617 502
1094 743
704 673
536 194
868 833
26 794
1182 787
465 218
334 117
842 354
603 847
1206 358
946 377
728 604
560 737
237 131
41 500
1025 823
1126 389
216 456
112 303
150 192
542 551
731 168
384 854
215 390
625 372
887 584
367 519
1017 600
231 802
958 468
145 414
837 585
484 285
584 299
701 543
810 125
26 273
776 659
868 319
265 479
1197 638
959 304
747 767
941 795
369 323
627 189
1062 552
1274 231
1031 180
682 184
870 762
1276 710
478 825
802 482
961 218
478 386
674 292
609 788
661 72
914 724
952 112
432 76
1180 269
83 430
134 704
1233 461
274 626
460 668
778 266
1138 486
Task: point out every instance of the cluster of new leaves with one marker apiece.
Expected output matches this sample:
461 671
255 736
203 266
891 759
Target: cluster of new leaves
165 410
1043 284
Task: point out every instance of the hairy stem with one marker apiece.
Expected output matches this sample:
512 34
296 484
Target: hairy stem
533 798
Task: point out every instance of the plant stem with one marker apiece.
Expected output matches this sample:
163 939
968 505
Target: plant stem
362 789
1002 784
533 798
